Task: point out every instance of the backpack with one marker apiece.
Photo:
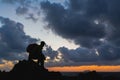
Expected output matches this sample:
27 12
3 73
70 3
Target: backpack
32 48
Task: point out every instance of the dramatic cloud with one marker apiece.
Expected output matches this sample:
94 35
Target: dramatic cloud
105 55
21 10
13 40
93 24
79 54
85 22
72 24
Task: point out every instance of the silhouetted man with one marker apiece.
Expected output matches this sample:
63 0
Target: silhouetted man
35 52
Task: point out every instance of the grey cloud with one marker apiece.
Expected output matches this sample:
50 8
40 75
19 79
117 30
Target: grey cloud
50 52
13 39
76 5
76 22
21 10
71 25
93 24
32 17
96 8
24 8
19 2
79 54
9 1
114 11
105 55
109 52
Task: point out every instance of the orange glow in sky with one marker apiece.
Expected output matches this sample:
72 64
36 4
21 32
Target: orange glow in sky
86 68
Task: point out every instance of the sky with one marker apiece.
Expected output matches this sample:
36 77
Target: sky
80 34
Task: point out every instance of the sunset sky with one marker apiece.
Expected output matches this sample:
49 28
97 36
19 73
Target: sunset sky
80 34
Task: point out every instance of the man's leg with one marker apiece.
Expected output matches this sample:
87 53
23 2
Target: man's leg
29 58
42 63
38 61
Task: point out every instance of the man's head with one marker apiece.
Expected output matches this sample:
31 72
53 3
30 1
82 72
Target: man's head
42 43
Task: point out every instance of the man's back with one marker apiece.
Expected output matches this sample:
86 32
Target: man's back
32 49
35 52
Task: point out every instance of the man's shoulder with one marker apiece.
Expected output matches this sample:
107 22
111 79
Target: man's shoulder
33 44
31 47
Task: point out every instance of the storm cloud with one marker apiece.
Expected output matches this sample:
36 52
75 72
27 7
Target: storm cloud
92 24
13 40
73 24
85 22
107 55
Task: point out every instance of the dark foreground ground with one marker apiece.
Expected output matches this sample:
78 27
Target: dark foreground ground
26 70
92 75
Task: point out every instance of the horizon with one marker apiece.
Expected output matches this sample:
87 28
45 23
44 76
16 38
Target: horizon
86 68
82 68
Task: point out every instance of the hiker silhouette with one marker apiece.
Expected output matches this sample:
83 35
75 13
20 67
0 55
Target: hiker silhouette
35 52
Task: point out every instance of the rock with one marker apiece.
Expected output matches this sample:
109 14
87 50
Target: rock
29 70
